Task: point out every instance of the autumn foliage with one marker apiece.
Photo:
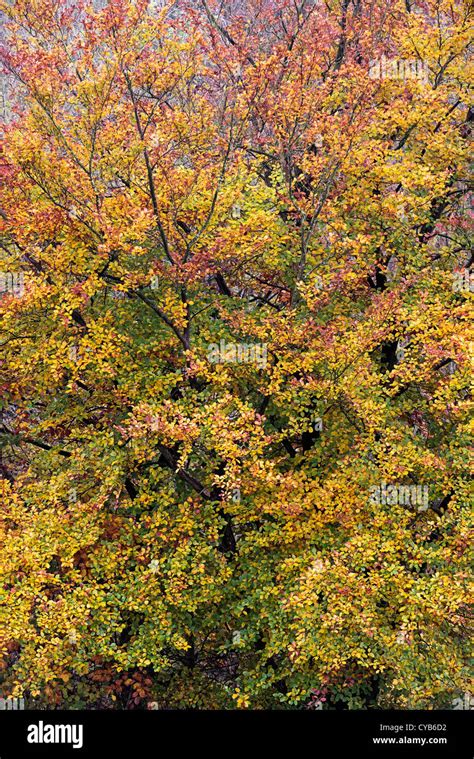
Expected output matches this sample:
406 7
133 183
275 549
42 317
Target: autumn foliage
212 530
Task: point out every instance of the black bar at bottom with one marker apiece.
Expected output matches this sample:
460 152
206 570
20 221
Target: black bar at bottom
140 734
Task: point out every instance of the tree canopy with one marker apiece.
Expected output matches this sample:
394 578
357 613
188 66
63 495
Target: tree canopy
235 365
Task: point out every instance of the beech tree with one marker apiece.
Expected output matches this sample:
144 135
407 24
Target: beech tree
235 353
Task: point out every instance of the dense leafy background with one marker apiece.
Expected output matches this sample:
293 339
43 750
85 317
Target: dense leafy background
179 531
